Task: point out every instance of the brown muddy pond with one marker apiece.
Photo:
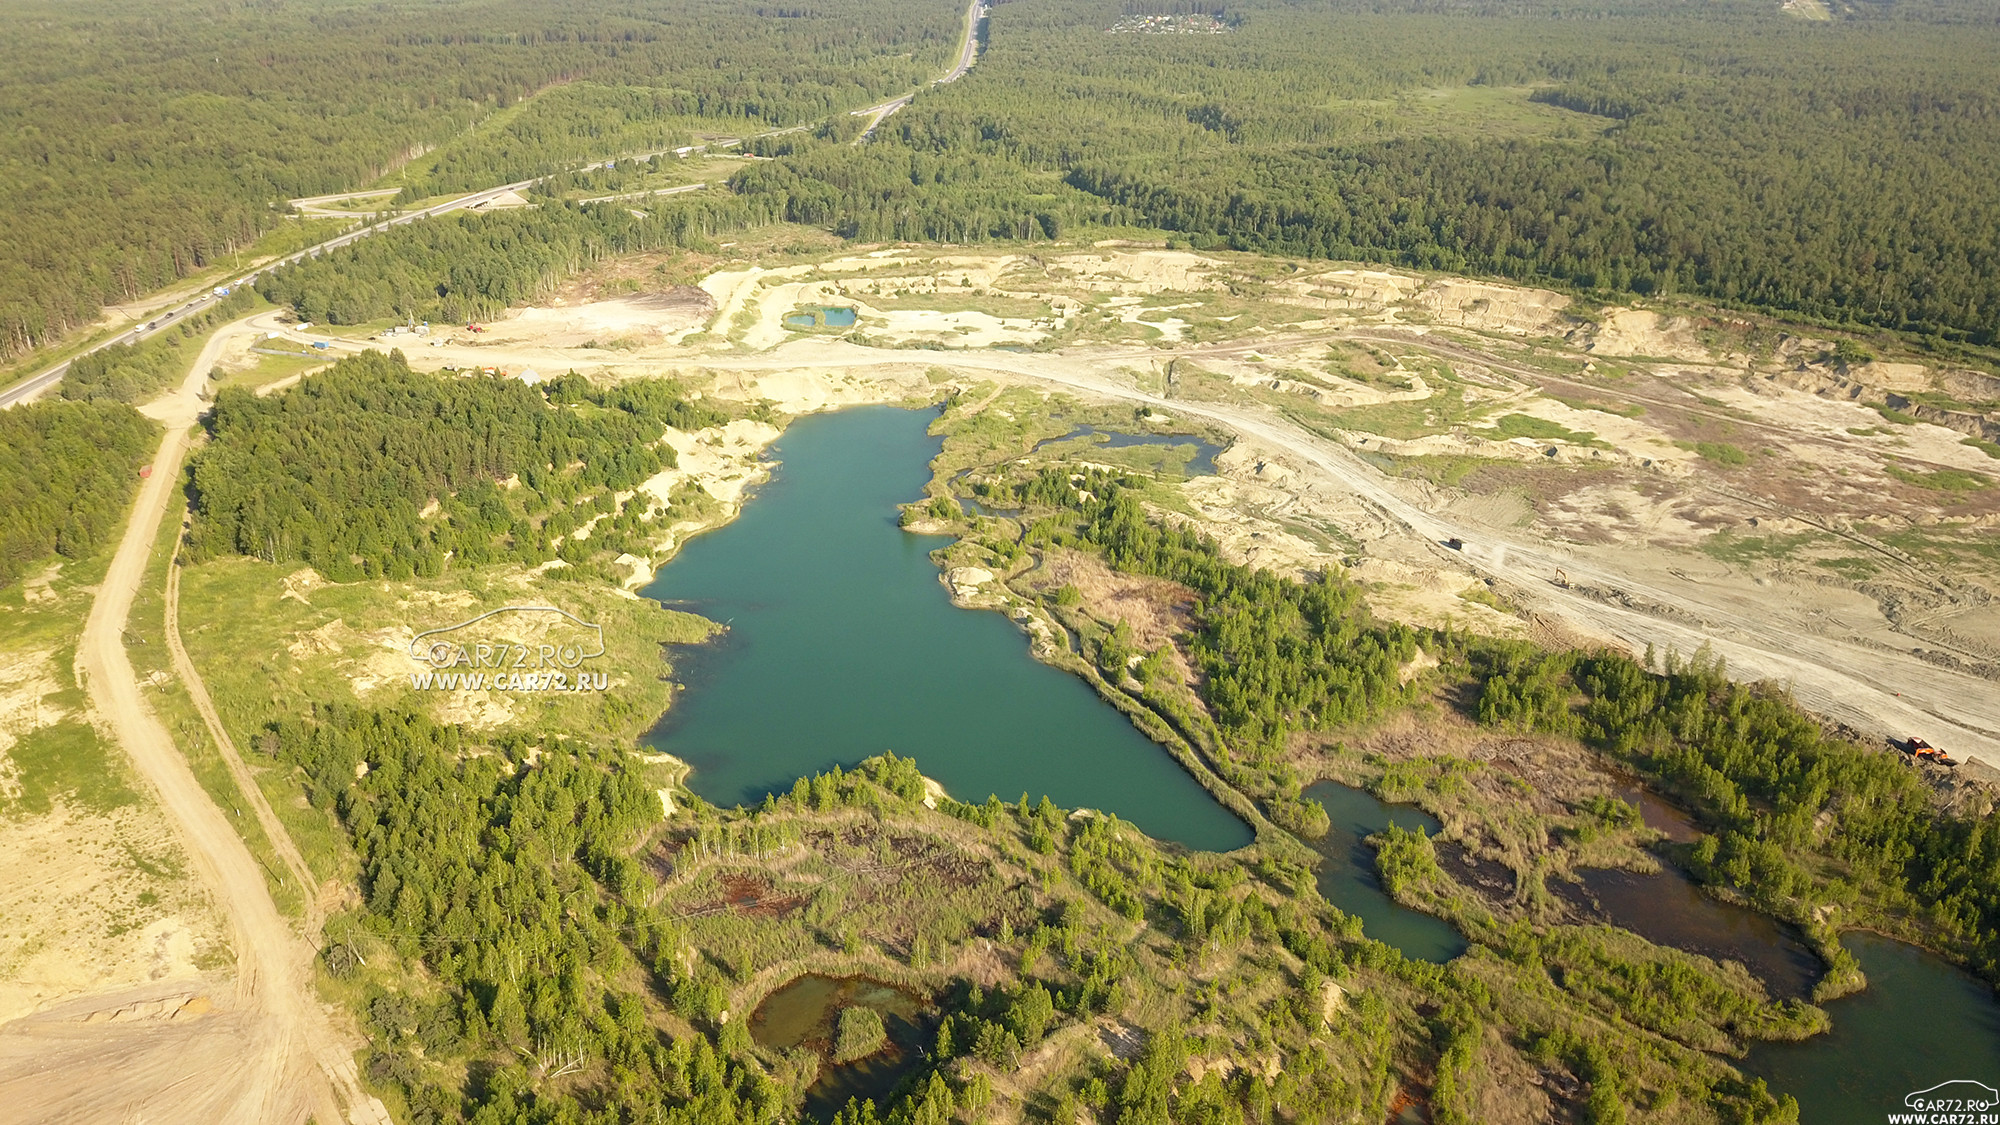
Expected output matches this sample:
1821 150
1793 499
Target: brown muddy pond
1661 815
803 1014
1668 909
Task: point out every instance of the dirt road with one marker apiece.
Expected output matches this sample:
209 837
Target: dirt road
267 1053
267 818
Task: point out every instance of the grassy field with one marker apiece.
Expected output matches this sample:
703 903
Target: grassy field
1521 425
1468 111
271 369
262 650
1403 421
146 645
66 761
1941 480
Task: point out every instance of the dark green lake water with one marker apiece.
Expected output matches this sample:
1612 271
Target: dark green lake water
843 644
805 1014
1919 1022
1347 872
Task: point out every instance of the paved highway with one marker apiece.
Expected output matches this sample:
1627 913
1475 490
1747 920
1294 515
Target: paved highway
968 53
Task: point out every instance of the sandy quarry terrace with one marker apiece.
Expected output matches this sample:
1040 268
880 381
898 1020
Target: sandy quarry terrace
1373 407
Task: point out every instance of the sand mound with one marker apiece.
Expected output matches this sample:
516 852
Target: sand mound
1640 332
1495 308
1894 376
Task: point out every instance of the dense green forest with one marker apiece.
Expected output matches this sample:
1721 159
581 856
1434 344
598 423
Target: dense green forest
578 968
67 472
515 887
141 144
1714 151
1726 150
341 472
466 267
1834 170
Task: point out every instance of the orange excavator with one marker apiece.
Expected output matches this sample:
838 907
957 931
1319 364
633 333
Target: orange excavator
1923 751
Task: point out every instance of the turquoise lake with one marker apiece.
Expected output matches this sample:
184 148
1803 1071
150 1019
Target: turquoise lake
842 644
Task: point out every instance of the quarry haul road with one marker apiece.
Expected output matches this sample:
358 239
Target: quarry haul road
1877 691
269 1053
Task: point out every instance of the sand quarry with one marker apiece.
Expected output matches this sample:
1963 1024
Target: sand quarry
1615 473
1629 476
1373 414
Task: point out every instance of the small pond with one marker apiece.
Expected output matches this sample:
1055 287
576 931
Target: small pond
1347 876
1659 814
804 1014
820 316
1189 454
1668 909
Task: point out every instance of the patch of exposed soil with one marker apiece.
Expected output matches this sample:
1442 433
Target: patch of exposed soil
627 321
752 896
1156 610
107 907
1492 881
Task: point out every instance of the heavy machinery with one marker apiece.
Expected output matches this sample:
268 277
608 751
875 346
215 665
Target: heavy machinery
1923 751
